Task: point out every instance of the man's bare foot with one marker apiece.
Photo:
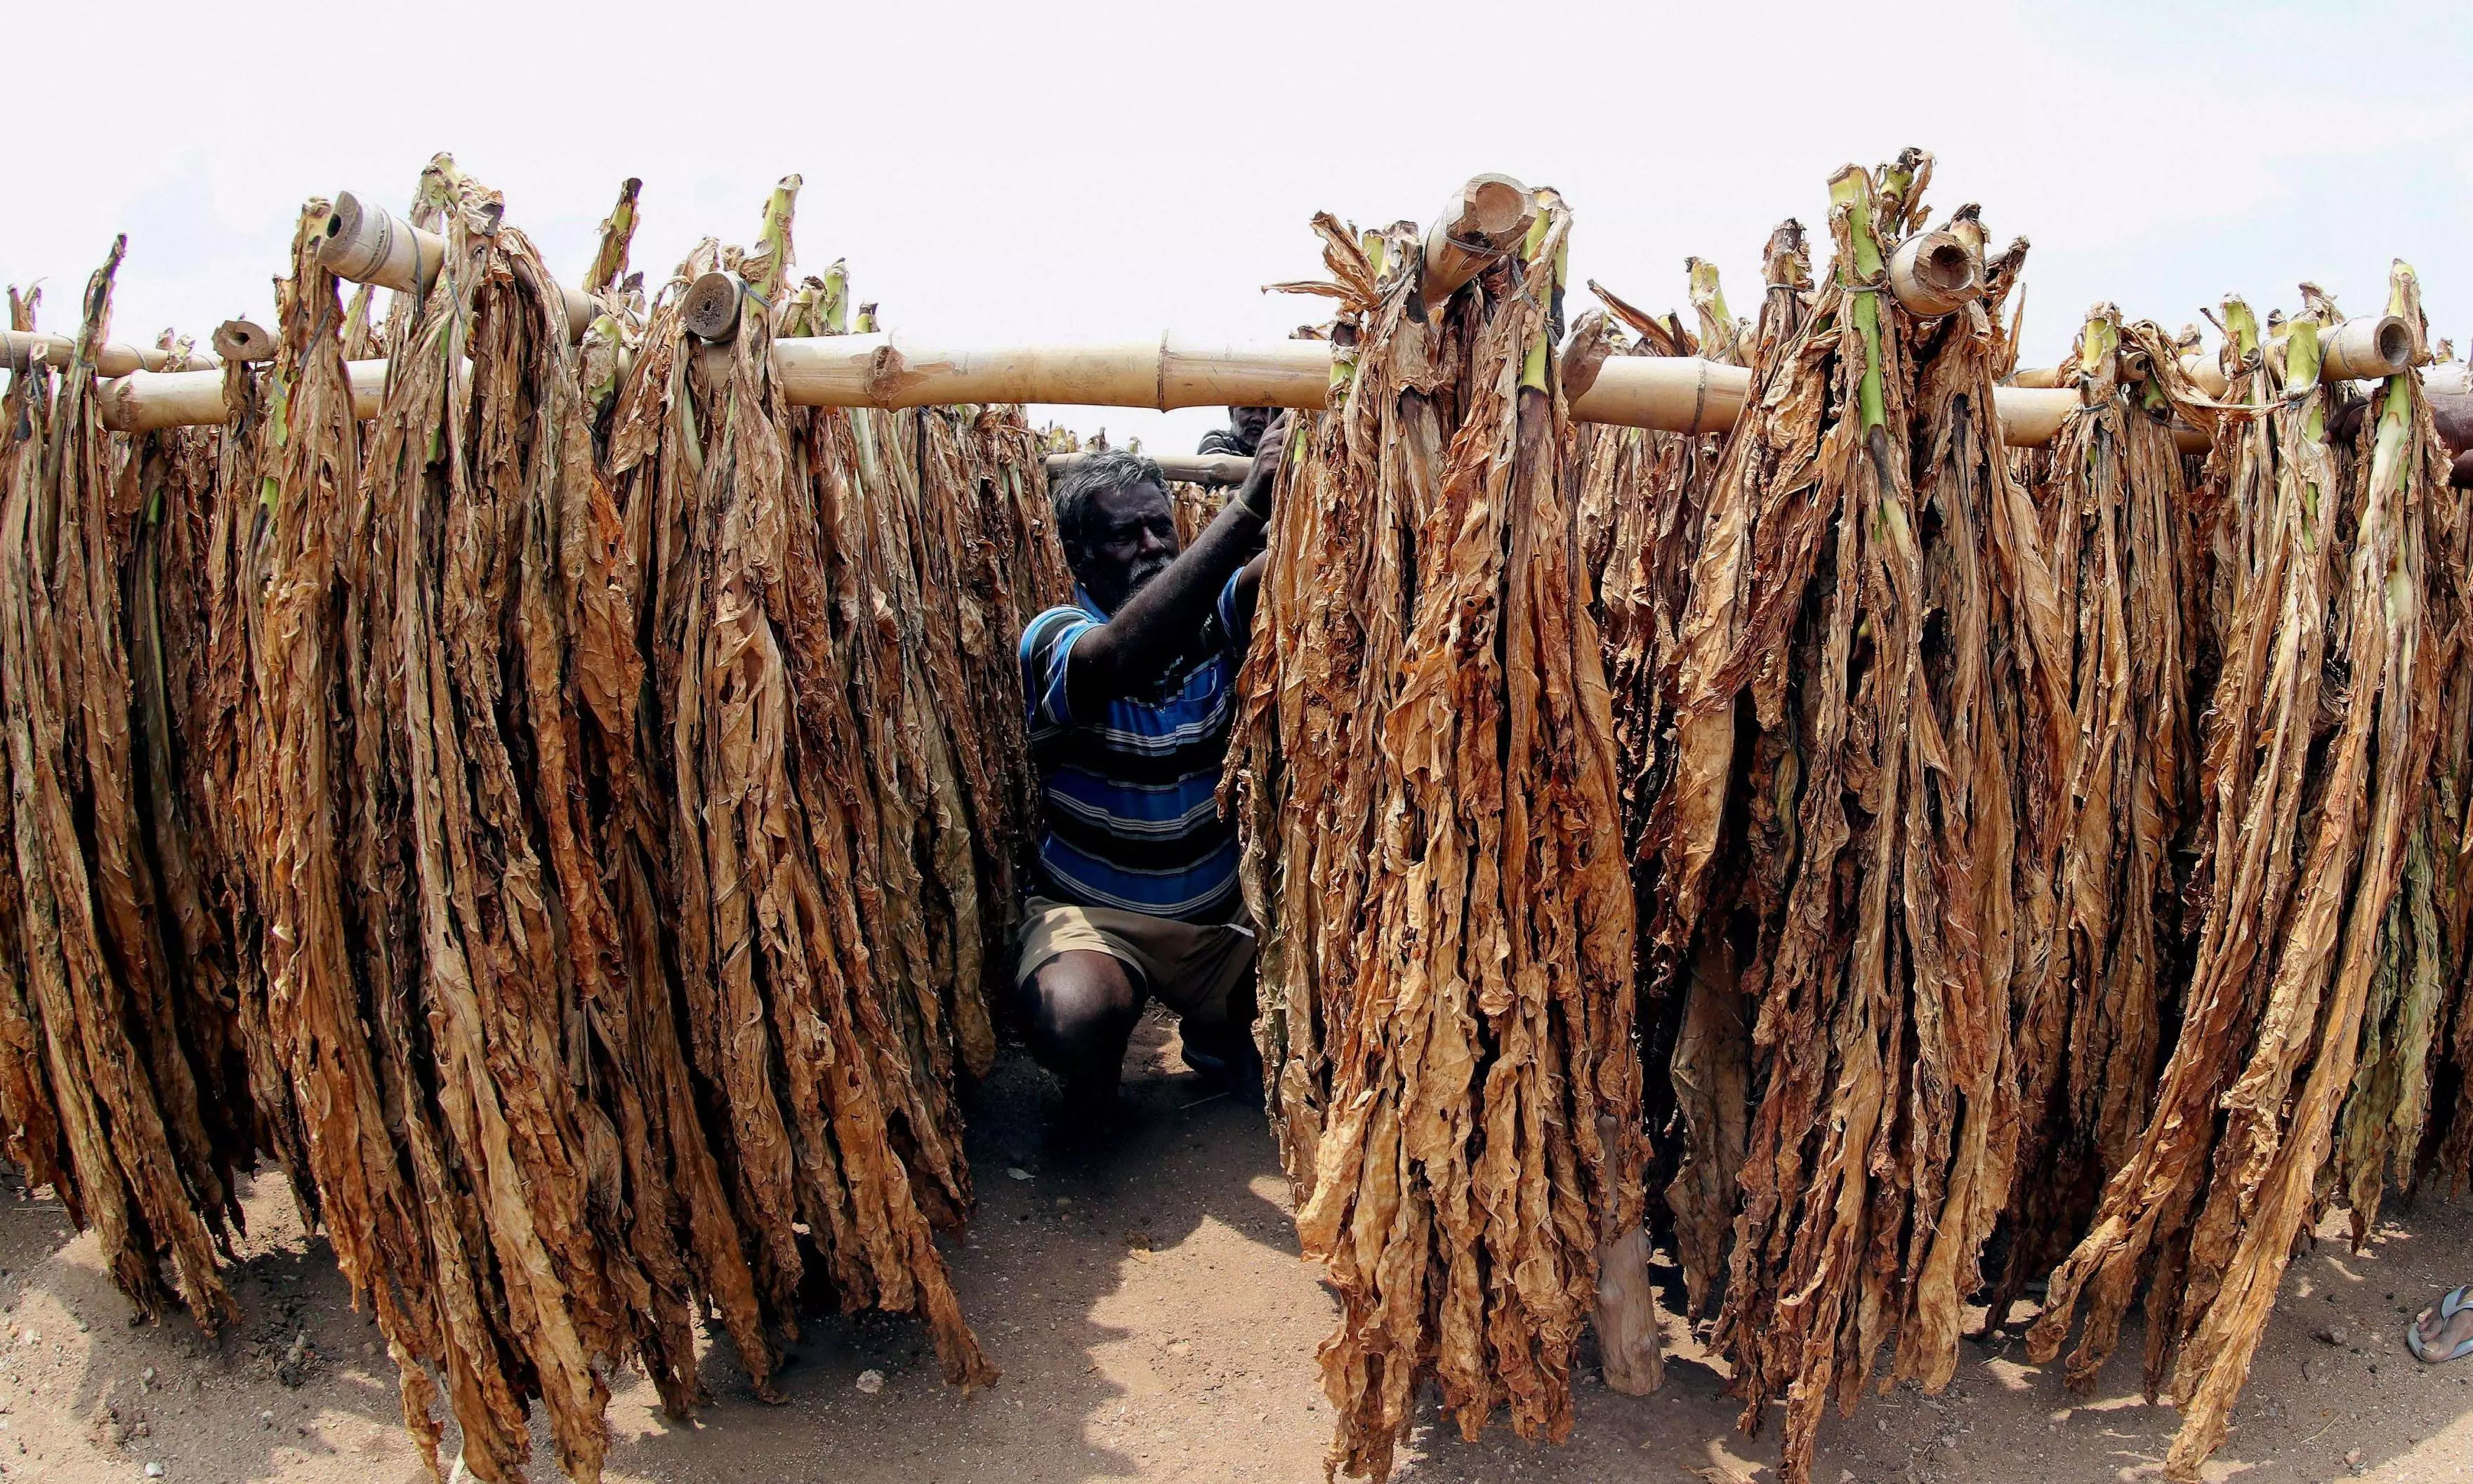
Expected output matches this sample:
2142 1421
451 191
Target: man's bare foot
1228 1061
1090 1108
2444 1330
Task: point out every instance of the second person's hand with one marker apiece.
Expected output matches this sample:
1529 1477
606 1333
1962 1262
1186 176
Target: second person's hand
1254 493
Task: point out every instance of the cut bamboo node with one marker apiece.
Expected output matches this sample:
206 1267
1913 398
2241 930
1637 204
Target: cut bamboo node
710 308
1483 222
2366 348
241 339
1933 274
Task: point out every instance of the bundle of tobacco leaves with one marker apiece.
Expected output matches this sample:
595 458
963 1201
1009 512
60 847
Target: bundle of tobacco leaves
578 992
775 549
566 954
437 662
1642 498
2445 1157
934 534
2090 1023
1303 800
126 1057
2309 984
1195 507
2412 1034
1867 738
1426 776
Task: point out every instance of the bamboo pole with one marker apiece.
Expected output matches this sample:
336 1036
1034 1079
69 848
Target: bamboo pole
898 370
2371 347
146 401
1670 393
1190 468
24 349
367 244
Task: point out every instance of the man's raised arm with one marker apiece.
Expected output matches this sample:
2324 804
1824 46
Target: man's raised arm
1158 618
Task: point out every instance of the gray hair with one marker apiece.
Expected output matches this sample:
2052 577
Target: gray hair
1078 488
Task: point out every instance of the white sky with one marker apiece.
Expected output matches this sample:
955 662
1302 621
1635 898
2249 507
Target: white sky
1097 172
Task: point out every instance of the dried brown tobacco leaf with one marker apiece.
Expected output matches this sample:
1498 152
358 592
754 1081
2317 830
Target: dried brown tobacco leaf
184 648
313 787
2446 1159
469 479
1872 607
444 680
32 1134
2280 1113
1478 1027
2267 556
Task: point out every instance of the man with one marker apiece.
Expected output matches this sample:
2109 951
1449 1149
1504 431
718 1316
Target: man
1242 435
1130 695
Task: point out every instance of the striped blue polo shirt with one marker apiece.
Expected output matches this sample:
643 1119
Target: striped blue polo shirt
1131 796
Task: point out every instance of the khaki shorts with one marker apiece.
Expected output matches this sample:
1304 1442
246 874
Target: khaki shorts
1194 967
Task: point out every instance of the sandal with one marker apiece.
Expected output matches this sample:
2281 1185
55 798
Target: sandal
2456 1302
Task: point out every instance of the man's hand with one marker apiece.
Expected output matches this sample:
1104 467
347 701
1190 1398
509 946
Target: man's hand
1254 493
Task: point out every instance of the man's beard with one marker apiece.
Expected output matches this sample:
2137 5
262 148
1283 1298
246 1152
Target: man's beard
1140 576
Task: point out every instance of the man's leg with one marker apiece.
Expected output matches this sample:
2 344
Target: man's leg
1222 1034
1077 1013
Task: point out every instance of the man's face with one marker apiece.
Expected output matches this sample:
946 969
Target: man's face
1248 423
1131 540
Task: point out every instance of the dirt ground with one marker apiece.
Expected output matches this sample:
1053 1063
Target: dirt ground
1153 1322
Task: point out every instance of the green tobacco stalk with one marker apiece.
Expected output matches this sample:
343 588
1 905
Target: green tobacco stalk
617 234
833 310
1532 370
1850 191
768 262
1720 335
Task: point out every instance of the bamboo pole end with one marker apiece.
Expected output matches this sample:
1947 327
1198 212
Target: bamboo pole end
241 339
1484 219
710 308
2366 348
1933 273
367 244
